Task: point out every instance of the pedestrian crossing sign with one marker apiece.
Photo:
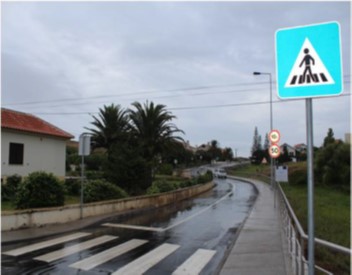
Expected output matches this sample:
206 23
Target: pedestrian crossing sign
308 61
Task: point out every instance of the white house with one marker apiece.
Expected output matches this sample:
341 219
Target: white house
30 144
291 150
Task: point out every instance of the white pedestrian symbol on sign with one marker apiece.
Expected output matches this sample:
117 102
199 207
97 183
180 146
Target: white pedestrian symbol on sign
308 69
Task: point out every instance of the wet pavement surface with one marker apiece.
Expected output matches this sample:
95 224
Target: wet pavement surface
208 222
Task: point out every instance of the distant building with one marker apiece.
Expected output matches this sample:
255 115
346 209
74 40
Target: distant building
204 147
348 138
189 147
301 147
30 144
291 150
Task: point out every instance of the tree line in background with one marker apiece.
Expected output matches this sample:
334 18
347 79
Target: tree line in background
131 146
331 161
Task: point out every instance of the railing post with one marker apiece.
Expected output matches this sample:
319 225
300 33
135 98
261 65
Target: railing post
301 240
293 240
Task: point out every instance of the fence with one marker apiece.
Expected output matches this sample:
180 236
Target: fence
296 238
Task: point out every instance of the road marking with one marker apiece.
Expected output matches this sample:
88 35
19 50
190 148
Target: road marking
107 255
195 263
50 257
37 246
142 264
137 227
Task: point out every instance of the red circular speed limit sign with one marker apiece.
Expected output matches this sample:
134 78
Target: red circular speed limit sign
274 151
274 136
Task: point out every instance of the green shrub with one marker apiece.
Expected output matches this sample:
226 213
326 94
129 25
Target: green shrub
14 180
100 190
153 190
95 161
94 175
40 189
8 190
161 186
165 169
73 186
207 177
188 183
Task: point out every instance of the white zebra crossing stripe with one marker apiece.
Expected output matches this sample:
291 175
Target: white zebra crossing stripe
107 255
37 246
145 262
195 263
50 257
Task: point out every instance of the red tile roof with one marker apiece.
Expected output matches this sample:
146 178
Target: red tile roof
29 123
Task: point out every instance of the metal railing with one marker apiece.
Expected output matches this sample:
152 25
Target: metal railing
296 238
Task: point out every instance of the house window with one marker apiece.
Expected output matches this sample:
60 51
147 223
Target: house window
16 153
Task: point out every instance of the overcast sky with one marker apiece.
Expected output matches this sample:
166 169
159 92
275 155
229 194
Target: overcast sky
64 61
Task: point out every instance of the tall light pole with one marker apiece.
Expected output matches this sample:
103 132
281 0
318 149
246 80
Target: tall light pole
271 124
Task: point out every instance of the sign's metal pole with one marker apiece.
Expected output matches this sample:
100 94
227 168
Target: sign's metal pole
82 185
310 201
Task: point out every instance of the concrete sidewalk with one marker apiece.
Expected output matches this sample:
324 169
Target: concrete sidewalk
259 248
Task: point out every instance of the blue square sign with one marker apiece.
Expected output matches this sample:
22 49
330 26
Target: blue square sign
308 61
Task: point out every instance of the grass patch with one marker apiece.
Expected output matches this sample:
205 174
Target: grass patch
260 172
332 211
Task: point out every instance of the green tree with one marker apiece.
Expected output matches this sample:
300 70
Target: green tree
227 153
214 150
257 157
126 167
152 127
256 141
329 139
111 126
332 165
266 142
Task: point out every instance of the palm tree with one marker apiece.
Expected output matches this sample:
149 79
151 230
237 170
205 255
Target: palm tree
151 125
111 126
215 150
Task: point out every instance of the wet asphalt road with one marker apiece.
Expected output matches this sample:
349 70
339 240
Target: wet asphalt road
209 222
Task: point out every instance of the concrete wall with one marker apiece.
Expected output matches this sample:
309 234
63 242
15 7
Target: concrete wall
41 153
39 217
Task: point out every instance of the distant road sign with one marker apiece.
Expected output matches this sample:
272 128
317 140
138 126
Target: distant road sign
308 61
274 151
274 136
281 174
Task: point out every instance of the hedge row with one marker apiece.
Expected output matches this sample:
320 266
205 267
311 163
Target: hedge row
41 189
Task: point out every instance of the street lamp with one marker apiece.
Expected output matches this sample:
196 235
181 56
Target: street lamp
271 125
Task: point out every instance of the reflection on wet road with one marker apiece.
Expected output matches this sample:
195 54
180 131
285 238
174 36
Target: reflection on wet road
190 237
